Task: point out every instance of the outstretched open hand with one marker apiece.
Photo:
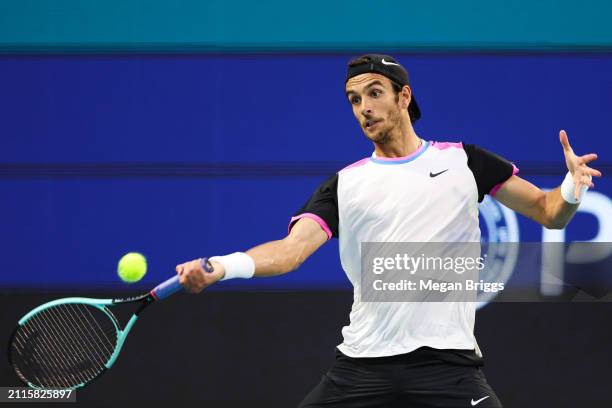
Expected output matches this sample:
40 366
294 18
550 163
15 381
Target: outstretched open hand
577 165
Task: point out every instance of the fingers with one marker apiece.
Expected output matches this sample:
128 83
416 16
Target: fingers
564 141
193 277
179 269
577 165
587 158
593 172
582 180
586 169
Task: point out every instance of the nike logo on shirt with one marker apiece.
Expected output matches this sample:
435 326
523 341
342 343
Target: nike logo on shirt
437 174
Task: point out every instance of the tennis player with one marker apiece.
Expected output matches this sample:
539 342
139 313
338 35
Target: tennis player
409 190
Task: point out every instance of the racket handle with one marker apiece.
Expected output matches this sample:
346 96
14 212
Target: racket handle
167 288
172 285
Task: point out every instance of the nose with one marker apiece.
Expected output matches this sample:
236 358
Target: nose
366 109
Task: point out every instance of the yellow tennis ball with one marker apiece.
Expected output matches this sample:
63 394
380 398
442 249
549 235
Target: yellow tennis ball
132 267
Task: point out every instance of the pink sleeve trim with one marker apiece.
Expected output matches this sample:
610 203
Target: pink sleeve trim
356 164
314 217
447 145
495 189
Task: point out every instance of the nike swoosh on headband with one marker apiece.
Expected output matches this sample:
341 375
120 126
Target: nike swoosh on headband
478 401
389 63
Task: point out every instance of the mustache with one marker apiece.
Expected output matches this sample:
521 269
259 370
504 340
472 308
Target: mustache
370 121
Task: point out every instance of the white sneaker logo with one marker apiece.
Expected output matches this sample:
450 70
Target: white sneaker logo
479 401
389 63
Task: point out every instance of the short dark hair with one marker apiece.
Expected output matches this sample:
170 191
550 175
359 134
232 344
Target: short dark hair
358 61
397 88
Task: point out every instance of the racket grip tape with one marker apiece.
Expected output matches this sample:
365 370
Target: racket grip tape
171 286
166 288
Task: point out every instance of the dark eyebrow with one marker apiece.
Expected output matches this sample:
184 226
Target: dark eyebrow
371 84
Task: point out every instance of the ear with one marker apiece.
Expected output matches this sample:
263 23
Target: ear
405 97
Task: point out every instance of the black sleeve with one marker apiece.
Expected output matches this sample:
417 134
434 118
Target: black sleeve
323 204
489 169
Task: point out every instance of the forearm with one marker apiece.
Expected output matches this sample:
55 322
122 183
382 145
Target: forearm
285 255
269 259
548 208
276 257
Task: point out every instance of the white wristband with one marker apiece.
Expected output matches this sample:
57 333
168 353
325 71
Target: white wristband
568 188
237 265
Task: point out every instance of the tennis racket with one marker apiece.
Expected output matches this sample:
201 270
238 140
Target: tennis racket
67 343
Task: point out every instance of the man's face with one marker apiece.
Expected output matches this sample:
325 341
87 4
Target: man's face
375 105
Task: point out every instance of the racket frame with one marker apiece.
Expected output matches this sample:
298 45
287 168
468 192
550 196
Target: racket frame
160 292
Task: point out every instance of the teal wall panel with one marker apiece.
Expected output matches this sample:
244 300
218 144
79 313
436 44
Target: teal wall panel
184 25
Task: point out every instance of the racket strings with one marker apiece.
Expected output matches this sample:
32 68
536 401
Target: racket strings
46 369
83 336
64 346
49 362
66 340
52 352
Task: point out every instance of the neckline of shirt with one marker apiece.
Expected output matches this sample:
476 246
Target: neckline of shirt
400 160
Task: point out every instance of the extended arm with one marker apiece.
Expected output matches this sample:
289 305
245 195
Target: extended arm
550 209
272 258
279 257
546 208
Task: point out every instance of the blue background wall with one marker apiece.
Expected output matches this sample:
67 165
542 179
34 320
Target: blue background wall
185 156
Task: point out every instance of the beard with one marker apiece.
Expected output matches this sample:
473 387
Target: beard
382 138
385 135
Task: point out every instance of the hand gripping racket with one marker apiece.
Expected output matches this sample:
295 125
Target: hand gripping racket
67 343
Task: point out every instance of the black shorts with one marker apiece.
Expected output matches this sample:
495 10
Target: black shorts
424 378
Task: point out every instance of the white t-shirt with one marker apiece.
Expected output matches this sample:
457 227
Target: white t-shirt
431 195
